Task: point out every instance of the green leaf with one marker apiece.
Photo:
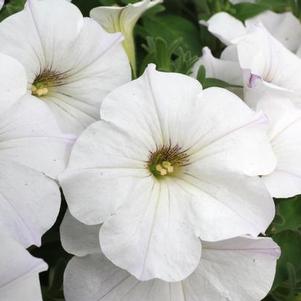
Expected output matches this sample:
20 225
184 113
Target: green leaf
86 5
11 8
171 28
201 76
290 244
245 11
167 57
288 215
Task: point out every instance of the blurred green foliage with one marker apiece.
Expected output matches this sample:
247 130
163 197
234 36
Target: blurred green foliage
170 36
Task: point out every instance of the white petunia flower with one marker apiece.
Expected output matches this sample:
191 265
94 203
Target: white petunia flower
19 272
32 153
123 19
70 65
272 82
284 133
264 59
170 163
236 269
264 62
285 27
1 3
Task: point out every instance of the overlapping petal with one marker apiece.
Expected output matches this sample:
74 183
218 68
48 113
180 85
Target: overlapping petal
33 152
285 126
30 202
285 27
236 269
224 69
78 238
19 272
30 136
263 56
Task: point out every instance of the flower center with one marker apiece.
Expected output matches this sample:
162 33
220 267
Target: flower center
39 89
167 161
45 81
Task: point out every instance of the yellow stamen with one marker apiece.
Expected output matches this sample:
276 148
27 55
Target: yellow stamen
167 165
39 91
165 168
161 170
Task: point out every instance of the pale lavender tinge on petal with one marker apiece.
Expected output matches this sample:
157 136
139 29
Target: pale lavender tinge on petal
252 80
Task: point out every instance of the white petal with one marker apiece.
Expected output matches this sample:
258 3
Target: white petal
95 193
239 143
13 82
285 127
237 269
30 203
224 70
96 278
225 27
26 48
77 238
104 177
109 147
226 204
30 136
19 279
285 27
230 53
264 57
122 19
144 107
54 39
283 184
151 236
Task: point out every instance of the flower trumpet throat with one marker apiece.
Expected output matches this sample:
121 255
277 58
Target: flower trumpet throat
47 80
166 161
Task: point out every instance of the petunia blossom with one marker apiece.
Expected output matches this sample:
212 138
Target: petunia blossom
263 38
70 65
123 19
284 133
272 85
19 272
167 164
284 27
236 269
32 153
267 67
